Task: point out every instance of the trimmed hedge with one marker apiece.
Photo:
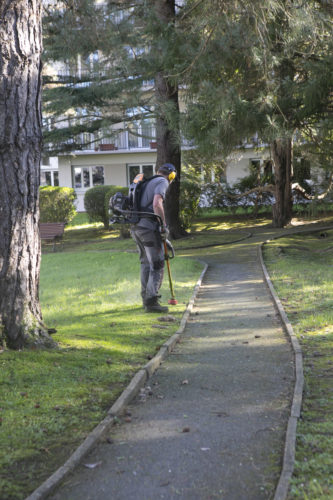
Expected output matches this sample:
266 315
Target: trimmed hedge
94 204
56 204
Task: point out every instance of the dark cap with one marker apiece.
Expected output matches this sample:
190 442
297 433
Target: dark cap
167 168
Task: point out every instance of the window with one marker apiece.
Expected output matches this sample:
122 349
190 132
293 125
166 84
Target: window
86 139
255 168
268 168
255 164
49 178
141 134
46 161
134 170
142 131
97 176
87 177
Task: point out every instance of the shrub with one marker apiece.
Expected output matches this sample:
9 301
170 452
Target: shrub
123 228
190 192
222 196
215 195
94 204
57 204
254 200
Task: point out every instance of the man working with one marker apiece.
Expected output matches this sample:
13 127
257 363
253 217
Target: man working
149 234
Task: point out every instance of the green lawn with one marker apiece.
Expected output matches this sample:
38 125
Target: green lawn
301 268
51 399
90 293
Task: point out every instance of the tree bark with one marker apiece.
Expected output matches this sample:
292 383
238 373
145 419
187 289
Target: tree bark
282 156
168 143
20 151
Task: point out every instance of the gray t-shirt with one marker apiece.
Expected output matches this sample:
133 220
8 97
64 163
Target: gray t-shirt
158 185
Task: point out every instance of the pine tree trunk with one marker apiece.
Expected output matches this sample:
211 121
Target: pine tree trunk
168 147
20 143
282 156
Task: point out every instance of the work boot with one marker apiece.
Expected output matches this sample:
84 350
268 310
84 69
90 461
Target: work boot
152 305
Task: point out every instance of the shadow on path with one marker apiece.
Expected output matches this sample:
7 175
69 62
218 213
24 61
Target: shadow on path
211 424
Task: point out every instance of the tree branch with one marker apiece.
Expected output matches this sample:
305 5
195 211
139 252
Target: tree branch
201 51
187 12
297 187
269 188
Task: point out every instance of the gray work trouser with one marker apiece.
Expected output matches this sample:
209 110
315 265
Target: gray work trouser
150 247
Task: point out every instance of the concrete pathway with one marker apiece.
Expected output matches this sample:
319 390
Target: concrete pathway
211 424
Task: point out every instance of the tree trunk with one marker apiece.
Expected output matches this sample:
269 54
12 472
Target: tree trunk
20 147
168 143
282 157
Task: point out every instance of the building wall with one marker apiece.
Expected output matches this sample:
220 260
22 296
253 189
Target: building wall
115 168
238 163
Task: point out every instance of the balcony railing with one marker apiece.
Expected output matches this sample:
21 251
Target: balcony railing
122 142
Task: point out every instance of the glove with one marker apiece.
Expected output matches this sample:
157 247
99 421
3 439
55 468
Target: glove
164 233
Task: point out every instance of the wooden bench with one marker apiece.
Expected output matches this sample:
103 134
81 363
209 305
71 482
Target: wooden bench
51 231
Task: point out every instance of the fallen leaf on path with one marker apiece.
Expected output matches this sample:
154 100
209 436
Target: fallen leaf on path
92 466
221 413
165 484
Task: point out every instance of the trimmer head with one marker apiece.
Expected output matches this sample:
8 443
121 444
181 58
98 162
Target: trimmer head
172 302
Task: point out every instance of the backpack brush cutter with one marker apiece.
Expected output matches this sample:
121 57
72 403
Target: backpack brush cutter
124 216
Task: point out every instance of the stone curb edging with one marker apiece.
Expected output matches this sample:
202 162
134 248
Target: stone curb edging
288 463
290 440
124 399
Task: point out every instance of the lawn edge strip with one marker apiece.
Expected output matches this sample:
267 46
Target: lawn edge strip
217 244
288 462
129 393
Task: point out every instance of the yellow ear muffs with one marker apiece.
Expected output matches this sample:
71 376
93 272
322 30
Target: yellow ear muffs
172 175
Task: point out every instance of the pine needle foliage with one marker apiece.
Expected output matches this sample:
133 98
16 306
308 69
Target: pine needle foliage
258 66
